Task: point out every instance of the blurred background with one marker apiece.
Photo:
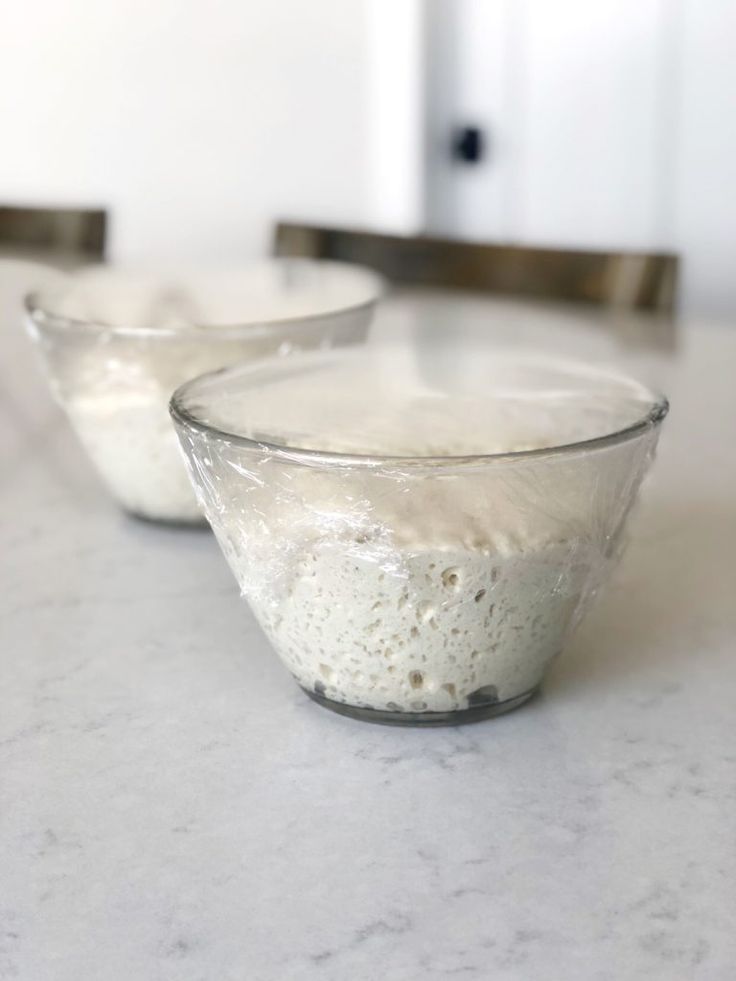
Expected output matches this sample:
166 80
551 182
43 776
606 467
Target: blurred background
196 126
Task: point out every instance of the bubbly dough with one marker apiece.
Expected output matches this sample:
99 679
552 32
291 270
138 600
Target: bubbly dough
132 443
446 630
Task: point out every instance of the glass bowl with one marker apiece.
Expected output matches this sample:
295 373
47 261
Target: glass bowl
115 345
418 537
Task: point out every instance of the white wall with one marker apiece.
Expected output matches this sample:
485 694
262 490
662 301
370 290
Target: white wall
196 122
396 97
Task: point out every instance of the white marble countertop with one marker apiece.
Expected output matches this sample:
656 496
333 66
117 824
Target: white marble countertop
173 807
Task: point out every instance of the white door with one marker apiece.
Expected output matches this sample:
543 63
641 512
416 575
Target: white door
570 96
608 124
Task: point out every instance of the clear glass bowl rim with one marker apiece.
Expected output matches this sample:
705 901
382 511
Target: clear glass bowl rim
44 318
325 459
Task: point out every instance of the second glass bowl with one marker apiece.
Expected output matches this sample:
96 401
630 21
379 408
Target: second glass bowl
115 346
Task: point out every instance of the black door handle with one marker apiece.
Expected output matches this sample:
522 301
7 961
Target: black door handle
468 144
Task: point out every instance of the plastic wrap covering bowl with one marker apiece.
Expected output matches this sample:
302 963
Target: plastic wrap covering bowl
116 344
417 537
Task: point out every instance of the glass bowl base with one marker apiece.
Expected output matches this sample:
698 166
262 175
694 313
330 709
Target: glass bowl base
199 523
457 717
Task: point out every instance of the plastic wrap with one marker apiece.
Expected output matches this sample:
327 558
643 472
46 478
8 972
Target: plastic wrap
116 345
412 543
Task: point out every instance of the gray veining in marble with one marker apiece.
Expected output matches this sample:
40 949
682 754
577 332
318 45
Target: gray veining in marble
172 807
